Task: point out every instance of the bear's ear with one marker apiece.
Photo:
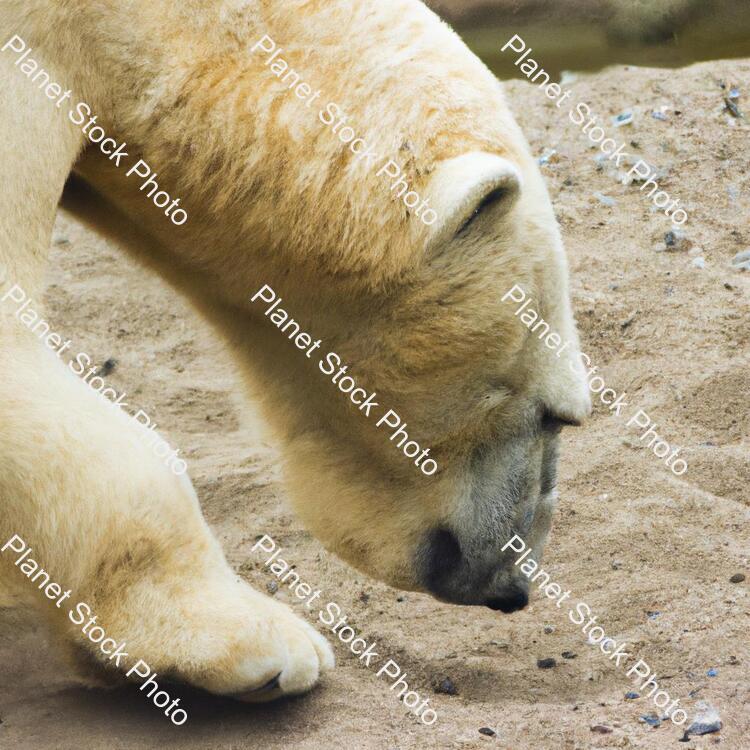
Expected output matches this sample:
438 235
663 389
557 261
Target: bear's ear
469 186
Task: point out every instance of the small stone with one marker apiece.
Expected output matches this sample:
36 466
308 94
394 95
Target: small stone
631 696
628 321
364 597
568 655
546 663
605 642
737 578
616 564
707 720
624 118
487 732
272 587
699 262
400 599
605 200
567 77
741 261
731 106
107 367
651 719
652 615
676 241
712 672
60 241
601 729
548 629
549 156
446 687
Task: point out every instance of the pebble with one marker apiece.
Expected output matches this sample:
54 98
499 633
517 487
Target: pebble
272 587
487 731
616 564
601 729
659 116
546 663
548 629
676 241
741 261
605 200
567 77
707 720
568 655
446 687
737 578
651 719
631 696
549 155
712 672
699 262
624 118
731 106
62 241
652 615
108 366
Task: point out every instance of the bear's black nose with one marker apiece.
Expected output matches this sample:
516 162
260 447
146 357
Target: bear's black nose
511 600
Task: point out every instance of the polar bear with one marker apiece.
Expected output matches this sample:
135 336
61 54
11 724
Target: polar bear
274 199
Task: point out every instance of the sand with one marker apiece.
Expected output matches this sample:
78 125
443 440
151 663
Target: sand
629 537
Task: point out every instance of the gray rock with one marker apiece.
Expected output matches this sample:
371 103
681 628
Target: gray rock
706 721
737 578
651 719
605 200
676 241
446 687
741 261
546 663
624 118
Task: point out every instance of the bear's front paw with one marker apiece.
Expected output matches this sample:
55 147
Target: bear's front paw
215 633
288 660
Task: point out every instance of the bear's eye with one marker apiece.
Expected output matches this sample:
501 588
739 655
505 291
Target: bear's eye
492 198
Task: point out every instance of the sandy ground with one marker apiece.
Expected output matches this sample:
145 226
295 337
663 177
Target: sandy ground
629 538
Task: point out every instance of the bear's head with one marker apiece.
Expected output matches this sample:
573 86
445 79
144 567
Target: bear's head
410 303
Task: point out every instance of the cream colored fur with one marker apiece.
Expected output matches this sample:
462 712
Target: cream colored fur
273 198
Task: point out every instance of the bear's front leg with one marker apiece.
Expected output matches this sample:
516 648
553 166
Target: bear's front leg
107 519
